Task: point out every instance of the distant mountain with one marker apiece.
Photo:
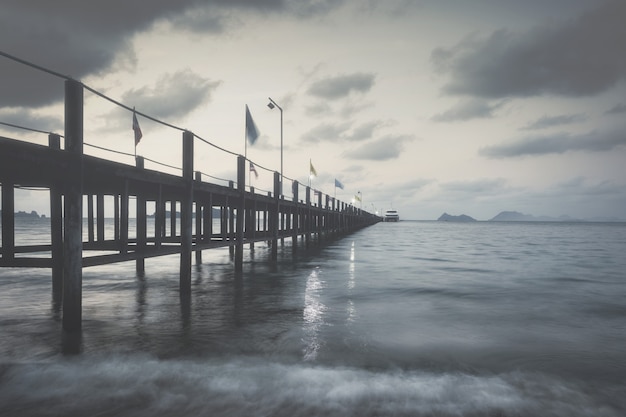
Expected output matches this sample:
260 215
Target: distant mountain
445 217
515 216
24 215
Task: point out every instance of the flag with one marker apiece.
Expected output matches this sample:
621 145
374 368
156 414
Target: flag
137 129
312 170
253 169
338 184
252 133
357 197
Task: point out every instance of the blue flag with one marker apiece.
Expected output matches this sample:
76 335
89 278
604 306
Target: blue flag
252 133
338 183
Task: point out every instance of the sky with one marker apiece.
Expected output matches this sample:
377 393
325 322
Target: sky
424 106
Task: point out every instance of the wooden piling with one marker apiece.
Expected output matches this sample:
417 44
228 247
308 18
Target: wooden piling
8 221
56 231
186 207
241 188
274 217
199 218
140 226
73 207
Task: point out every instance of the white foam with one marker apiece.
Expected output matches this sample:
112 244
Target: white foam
144 386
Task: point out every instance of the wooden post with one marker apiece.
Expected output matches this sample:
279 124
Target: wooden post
100 217
274 217
124 213
241 188
294 232
159 219
8 221
73 244
173 218
90 228
140 262
251 223
116 217
56 231
186 204
208 220
198 224
307 220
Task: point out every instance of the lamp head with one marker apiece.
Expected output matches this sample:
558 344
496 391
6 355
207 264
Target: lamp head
270 105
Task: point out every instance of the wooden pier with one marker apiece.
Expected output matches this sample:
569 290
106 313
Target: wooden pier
72 177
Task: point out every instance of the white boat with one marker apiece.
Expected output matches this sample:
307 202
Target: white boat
391 215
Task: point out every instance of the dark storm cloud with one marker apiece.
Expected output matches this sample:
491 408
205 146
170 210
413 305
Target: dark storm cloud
557 144
551 121
388 147
82 38
467 110
580 57
174 95
340 86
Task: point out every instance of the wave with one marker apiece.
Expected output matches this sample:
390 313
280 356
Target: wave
137 385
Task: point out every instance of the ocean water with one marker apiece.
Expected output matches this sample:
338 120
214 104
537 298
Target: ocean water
398 319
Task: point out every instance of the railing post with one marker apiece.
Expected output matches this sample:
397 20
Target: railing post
56 231
73 244
241 189
186 214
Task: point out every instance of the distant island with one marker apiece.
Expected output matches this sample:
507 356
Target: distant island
515 216
24 215
445 217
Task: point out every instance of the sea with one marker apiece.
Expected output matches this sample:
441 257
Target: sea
415 318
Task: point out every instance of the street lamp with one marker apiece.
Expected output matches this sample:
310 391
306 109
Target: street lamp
271 105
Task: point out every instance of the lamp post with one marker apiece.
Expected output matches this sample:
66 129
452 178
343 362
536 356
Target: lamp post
271 105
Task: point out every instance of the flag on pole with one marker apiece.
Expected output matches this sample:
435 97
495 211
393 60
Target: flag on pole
357 197
253 169
338 184
136 128
312 170
252 133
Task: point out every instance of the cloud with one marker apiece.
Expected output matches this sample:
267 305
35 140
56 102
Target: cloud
580 57
340 86
477 186
33 120
79 39
388 147
551 121
342 132
556 144
467 110
617 109
173 96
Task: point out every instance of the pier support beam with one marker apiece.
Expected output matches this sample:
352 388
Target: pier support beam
199 218
140 262
186 207
56 232
294 231
241 189
8 221
73 243
275 210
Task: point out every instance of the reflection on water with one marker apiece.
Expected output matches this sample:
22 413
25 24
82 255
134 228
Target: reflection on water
313 315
